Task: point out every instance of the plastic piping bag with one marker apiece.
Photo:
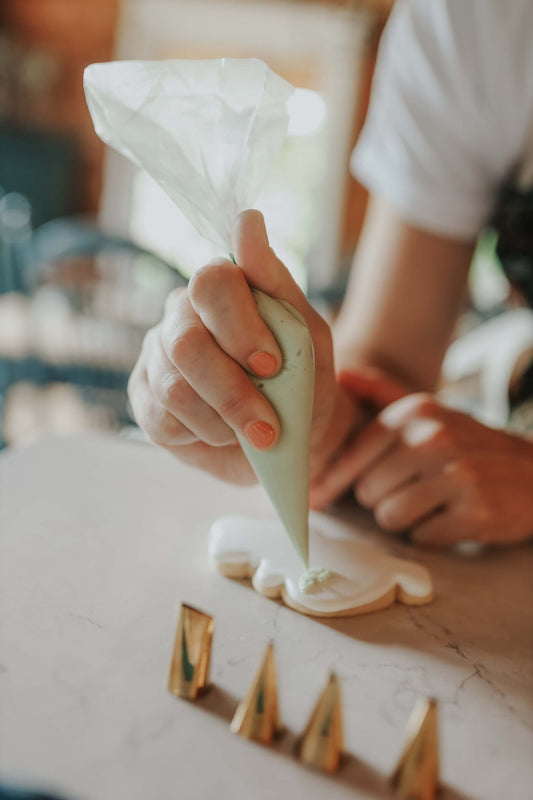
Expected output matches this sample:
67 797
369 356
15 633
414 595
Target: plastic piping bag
209 132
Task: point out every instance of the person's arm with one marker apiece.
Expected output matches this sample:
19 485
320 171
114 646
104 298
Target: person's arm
403 299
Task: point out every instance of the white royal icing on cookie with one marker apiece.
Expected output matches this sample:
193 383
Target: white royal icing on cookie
359 575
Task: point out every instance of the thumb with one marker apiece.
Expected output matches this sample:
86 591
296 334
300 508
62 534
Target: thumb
373 386
262 268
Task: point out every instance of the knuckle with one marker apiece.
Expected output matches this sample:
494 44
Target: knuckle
219 436
162 428
388 516
482 512
233 406
428 436
408 409
187 343
364 493
207 280
148 343
169 428
175 392
174 296
462 471
423 403
476 519
440 437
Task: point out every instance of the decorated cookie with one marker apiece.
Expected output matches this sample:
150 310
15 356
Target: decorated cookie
347 576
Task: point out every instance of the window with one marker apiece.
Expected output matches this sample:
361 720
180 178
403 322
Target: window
318 49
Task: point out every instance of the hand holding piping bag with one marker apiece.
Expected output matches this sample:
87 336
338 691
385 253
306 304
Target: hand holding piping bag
191 389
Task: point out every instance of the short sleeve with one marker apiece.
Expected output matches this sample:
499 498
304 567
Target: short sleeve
434 143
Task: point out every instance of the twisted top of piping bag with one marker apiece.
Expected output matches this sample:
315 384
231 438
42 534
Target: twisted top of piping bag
208 132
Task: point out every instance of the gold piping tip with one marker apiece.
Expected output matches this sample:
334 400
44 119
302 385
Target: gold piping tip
257 715
322 741
416 776
189 668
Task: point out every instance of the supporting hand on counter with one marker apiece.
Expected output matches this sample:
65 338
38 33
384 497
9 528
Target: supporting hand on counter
433 470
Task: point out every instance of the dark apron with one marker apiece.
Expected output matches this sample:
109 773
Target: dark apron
513 222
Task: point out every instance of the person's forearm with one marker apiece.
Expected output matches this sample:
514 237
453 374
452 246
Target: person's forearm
402 300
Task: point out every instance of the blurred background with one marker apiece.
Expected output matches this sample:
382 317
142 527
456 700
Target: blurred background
90 246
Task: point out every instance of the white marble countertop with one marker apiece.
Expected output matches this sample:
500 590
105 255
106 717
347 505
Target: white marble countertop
101 539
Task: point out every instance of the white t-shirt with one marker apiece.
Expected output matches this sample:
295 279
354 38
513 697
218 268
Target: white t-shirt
451 114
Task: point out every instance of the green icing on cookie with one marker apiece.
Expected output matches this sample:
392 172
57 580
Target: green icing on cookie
313 577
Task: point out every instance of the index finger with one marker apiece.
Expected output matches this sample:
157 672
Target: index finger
224 302
372 443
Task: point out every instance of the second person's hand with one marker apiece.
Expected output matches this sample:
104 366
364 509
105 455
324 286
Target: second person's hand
436 472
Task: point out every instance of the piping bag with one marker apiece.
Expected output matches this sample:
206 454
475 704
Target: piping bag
208 132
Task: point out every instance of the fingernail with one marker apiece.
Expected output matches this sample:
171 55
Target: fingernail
260 434
263 364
